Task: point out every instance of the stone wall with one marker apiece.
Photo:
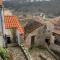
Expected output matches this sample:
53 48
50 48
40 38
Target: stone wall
28 38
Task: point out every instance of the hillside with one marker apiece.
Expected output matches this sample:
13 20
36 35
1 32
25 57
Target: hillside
50 8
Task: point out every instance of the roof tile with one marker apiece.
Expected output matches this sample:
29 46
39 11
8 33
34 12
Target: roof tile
12 22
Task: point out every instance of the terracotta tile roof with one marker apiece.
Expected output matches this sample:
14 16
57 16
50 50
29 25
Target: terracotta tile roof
1 2
12 22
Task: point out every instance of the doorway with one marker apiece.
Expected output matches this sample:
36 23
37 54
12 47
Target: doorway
8 40
32 40
47 40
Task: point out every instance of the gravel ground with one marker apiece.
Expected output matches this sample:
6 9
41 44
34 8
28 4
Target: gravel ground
39 54
15 53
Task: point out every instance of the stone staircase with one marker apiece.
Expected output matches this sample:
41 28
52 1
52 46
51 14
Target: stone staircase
15 53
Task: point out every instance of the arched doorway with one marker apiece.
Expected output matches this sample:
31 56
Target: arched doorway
11 37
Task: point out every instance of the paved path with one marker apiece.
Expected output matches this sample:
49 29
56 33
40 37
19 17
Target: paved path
15 53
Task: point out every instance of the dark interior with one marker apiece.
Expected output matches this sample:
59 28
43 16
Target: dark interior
32 40
47 41
57 42
8 40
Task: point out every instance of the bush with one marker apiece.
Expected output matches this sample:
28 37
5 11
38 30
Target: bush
3 54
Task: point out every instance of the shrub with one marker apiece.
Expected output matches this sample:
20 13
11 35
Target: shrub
3 54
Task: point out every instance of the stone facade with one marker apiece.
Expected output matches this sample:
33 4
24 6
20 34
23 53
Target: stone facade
40 34
28 38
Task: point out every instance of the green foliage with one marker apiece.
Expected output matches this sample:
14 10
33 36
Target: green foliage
3 54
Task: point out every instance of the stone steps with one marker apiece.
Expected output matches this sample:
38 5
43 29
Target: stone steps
16 53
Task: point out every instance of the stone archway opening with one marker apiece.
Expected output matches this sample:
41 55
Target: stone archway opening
32 40
11 37
8 40
12 22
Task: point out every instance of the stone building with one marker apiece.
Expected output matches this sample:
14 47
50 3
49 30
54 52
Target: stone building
56 31
39 33
13 30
